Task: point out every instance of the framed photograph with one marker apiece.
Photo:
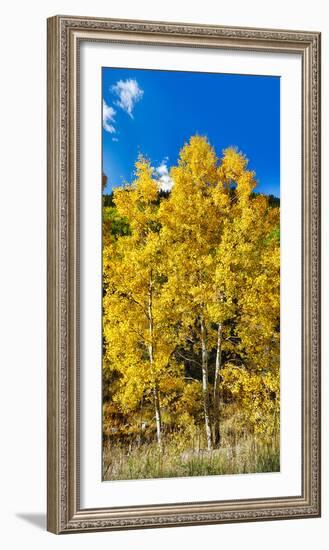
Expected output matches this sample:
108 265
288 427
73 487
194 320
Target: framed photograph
183 274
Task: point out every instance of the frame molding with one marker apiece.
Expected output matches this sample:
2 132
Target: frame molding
64 36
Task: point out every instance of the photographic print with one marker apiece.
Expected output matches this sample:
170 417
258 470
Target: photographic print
191 273
183 246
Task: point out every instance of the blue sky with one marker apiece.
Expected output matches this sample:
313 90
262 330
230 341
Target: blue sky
156 112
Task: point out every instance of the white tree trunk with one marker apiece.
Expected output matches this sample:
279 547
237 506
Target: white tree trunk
205 386
156 397
217 434
157 415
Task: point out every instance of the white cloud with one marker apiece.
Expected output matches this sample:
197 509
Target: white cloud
108 118
128 92
165 180
162 169
115 139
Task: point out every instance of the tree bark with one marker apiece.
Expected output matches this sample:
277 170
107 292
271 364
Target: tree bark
205 386
157 415
156 396
217 435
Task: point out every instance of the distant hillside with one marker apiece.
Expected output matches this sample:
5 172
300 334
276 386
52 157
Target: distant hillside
108 198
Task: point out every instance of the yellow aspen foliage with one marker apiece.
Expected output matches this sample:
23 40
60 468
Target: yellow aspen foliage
191 309
139 339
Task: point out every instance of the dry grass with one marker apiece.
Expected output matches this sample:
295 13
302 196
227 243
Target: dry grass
248 455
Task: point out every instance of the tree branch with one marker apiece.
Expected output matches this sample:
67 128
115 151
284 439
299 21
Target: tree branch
188 358
130 297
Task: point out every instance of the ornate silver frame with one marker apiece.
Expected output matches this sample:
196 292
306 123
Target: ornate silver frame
64 36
